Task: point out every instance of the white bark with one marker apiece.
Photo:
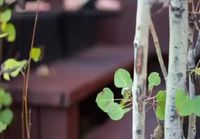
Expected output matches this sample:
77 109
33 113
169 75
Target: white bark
140 68
176 79
191 65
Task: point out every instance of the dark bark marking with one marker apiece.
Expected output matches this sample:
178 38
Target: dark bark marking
139 59
175 59
179 75
178 11
139 98
139 131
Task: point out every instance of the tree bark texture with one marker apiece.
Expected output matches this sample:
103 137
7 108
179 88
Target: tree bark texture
140 68
178 13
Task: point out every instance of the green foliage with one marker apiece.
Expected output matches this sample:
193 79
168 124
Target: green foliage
122 79
186 106
5 99
12 67
5 15
104 98
10 30
2 127
105 101
6 116
115 111
160 109
2 35
153 80
35 54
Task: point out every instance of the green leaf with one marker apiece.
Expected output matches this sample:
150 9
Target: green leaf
6 116
122 79
6 76
154 80
2 127
182 103
160 109
7 101
126 110
35 54
2 35
5 16
115 111
5 98
10 30
104 98
196 105
12 67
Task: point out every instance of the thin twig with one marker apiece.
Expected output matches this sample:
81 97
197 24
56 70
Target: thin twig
158 49
27 120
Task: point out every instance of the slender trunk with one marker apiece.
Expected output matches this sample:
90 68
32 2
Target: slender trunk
140 68
191 65
178 13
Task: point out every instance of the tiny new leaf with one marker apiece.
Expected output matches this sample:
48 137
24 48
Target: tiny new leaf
104 98
122 79
35 54
153 80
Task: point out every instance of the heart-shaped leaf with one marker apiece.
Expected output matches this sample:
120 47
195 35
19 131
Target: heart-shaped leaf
104 98
122 79
153 80
115 111
35 54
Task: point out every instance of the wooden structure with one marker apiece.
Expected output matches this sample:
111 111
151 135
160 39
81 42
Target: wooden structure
55 99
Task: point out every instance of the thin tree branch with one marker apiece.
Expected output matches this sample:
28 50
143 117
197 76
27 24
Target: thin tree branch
158 50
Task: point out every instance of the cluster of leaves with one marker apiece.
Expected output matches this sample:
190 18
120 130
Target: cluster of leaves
184 105
6 115
11 67
105 99
7 28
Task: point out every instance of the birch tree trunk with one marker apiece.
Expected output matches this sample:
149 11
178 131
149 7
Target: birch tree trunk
178 13
191 65
140 68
